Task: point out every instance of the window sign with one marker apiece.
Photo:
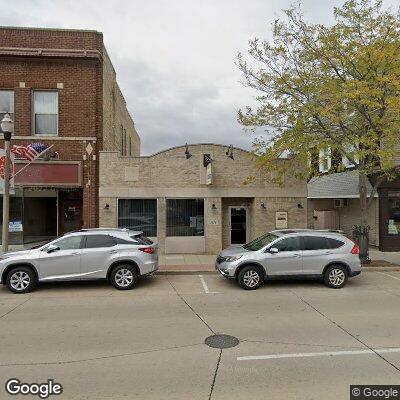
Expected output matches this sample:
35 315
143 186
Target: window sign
15 226
193 222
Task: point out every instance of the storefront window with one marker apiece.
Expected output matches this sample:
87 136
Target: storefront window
185 217
138 215
394 213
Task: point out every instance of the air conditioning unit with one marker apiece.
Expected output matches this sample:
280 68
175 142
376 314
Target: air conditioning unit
339 203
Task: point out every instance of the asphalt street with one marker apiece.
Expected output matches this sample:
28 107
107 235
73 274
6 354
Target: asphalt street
297 339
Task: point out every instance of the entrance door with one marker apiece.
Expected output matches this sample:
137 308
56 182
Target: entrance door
70 215
238 225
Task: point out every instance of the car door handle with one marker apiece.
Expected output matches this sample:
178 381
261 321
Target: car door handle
296 255
113 251
75 254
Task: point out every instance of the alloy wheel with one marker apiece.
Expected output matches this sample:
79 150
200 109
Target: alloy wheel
124 277
251 278
337 277
20 280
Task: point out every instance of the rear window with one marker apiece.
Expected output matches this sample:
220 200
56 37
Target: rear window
334 243
141 239
315 243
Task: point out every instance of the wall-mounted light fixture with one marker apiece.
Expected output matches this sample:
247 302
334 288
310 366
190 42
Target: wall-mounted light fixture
263 206
187 153
107 206
299 205
229 152
214 207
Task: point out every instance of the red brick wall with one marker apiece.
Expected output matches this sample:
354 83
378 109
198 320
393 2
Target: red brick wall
51 38
80 99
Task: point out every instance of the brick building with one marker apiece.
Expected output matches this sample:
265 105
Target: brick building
61 90
194 201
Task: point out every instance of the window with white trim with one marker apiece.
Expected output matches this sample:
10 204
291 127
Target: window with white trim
351 150
6 104
325 160
45 112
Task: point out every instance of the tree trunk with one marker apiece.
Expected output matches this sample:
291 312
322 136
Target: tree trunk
363 228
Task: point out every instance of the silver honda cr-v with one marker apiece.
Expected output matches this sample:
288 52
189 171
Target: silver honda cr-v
287 253
119 255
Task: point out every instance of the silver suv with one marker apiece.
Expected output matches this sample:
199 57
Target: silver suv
287 253
119 255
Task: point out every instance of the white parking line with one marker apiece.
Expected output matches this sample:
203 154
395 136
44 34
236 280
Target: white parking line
320 354
394 277
205 287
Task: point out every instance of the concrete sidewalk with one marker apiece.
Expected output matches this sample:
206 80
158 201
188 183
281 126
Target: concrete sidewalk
187 263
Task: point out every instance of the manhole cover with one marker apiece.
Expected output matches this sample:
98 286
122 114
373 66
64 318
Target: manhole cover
221 341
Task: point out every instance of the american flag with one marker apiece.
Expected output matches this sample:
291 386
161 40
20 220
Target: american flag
31 151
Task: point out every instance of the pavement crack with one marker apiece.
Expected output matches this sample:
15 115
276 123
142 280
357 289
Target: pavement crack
345 331
100 357
13 309
190 307
215 374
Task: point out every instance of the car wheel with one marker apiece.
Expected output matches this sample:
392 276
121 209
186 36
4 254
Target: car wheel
250 278
21 280
335 276
124 277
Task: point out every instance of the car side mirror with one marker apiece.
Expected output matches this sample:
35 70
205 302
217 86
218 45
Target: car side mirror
273 250
52 248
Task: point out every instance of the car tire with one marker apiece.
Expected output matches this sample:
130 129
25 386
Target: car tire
250 278
21 280
124 277
335 276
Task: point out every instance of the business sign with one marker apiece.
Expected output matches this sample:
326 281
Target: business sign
3 169
281 220
15 226
209 174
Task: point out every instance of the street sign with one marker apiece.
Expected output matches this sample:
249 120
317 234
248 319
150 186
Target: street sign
2 171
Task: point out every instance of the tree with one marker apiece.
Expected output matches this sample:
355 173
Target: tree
328 87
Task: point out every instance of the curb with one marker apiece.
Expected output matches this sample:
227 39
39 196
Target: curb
186 272
210 272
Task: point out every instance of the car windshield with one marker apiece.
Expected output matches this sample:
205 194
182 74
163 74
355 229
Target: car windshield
260 242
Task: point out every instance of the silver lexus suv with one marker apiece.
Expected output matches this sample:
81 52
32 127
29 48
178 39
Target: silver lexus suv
119 255
301 253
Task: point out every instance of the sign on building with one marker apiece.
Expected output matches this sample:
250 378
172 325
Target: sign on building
281 220
15 226
2 171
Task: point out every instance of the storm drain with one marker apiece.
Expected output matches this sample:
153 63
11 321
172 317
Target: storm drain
221 341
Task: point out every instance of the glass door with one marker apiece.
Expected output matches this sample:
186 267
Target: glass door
238 225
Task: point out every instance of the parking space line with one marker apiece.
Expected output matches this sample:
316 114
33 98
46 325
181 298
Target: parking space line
394 277
205 287
319 354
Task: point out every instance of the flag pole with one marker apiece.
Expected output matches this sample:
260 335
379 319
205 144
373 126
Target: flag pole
30 162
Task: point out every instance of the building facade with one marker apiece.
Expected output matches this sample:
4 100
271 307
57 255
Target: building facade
60 88
194 200
334 203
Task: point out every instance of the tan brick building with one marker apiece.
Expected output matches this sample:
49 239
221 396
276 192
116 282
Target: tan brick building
195 201
60 88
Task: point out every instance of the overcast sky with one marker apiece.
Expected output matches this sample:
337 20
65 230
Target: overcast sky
175 59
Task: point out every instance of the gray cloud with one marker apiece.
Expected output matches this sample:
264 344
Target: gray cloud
174 59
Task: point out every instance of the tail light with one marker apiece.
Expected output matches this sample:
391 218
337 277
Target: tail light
355 249
148 250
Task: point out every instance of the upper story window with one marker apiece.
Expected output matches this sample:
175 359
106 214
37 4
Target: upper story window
123 141
325 160
45 109
352 152
6 104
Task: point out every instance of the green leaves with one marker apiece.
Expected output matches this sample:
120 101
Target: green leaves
327 87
